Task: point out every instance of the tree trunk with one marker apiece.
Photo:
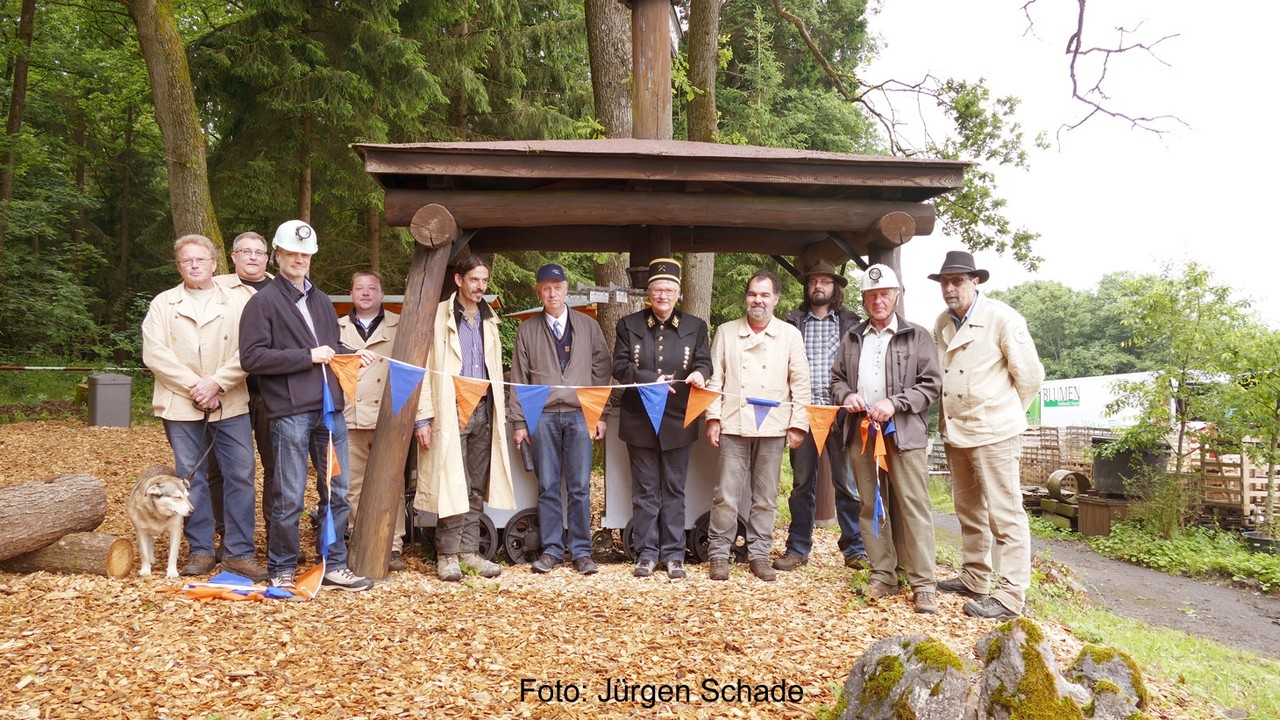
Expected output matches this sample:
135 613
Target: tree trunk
704 30
609 46
35 514
17 106
175 106
79 553
613 271
304 173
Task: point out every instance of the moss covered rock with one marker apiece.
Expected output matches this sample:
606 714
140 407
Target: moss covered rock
1115 681
909 677
1021 680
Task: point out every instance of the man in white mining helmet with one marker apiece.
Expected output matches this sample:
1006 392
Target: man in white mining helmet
287 332
886 374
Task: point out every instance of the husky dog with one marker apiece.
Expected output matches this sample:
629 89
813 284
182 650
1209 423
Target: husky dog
158 503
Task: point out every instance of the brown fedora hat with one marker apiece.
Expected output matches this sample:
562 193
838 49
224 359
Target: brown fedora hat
959 261
824 267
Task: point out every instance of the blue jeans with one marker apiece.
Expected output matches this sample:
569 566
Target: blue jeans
804 470
295 437
232 441
562 448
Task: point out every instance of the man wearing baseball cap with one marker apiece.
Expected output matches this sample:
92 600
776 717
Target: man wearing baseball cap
287 332
563 349
990 374
886 375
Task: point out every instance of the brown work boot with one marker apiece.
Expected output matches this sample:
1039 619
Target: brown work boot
877 589
926 602
396 564
719 569
198 565
761 569
246 567
789 562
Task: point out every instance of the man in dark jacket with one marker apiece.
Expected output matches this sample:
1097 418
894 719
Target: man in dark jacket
886 371
822 319
655 345
288 331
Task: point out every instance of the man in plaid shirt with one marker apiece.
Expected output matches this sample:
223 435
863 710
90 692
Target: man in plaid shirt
822 319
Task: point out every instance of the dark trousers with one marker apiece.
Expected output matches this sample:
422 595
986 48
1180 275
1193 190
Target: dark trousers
461 533
262 438
657 501
802 502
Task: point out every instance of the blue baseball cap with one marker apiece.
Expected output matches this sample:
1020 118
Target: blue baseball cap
551 272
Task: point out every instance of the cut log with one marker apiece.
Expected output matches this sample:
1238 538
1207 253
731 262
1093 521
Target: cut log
35 514
83 553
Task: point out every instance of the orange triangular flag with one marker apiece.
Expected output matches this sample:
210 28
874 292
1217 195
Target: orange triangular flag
699 400
882 458
308 583
593 400
334 468
820 419
469 391
347 369
878 451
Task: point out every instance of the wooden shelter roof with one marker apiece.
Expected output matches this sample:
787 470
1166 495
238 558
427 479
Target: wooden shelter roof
605 195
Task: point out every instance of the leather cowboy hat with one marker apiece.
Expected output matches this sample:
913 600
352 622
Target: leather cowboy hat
824 267
957 262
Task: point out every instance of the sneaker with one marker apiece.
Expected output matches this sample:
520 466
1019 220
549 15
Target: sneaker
675 569
926 603
719 569
762 570
284 581
483 567
585 565
448 569
988 608
856 562
198 565
644 568
957 586
247 567
789 562
344 579
545 563
877 589
397 563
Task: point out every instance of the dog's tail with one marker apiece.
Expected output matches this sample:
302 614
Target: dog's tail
155 470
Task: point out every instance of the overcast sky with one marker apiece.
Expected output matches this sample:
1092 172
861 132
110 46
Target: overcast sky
1106 197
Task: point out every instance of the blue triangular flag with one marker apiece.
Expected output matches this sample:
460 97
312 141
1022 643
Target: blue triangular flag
327 533
404 378
890 429
327 411
655 402
762 407
229 578
532 399
277 593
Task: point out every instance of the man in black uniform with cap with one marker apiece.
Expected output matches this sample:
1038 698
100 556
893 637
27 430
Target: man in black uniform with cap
653 345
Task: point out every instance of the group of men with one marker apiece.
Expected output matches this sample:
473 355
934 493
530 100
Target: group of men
245 355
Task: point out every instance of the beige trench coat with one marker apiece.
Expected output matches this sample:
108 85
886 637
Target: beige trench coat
179 351
442 484
361 411
770 365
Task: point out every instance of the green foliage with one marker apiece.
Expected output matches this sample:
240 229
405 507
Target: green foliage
46 310
1196 552
1042 528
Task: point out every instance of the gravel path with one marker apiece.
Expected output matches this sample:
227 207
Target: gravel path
1232 616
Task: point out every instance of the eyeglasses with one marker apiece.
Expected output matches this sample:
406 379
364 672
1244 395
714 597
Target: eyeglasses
251 253
196 262
664 292
954 280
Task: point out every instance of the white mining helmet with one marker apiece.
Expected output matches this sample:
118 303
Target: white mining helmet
295 236
879 276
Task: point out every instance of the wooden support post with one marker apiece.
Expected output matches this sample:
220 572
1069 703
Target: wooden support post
651 69
435 230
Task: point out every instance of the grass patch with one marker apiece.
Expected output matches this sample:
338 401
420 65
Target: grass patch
940 496
1221 680
27 395
1195 552
1042 528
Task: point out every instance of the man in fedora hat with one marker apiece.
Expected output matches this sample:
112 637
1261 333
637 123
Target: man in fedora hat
822 320
660 343
990 374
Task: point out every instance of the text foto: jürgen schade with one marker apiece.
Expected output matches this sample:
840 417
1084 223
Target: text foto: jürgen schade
647 695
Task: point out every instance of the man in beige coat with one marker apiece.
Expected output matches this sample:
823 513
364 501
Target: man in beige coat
759 363
990 374
460 468
368 327
191 344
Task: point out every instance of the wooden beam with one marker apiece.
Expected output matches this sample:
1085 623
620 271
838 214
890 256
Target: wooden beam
477 209
651 69
893 229
370 552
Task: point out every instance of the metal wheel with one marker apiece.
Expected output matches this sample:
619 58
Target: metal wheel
698 539
521 541
602 540
488 537
629 541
